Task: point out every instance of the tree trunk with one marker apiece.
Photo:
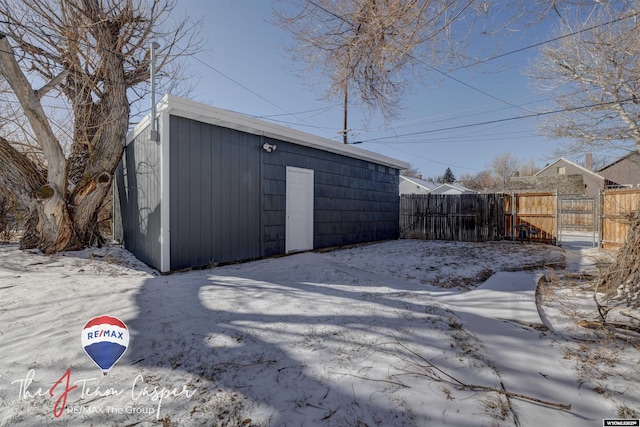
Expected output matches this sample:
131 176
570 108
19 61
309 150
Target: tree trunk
52 223
57 220
47 222
54 227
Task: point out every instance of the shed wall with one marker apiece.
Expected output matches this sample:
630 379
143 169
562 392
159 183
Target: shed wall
355 201
137 199
214 193
227 196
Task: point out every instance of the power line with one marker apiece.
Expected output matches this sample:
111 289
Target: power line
449 76
506 119
502 55
510 53
322 109
393 147
241 85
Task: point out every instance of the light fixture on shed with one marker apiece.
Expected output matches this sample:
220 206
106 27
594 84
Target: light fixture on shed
268 147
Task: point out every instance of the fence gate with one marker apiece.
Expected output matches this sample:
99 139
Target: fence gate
616 205
536 212
578 223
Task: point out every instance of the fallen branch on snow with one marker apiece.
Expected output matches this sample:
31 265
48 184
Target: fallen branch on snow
432 371
591 324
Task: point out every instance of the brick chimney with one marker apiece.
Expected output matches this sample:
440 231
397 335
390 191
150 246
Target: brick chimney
588 161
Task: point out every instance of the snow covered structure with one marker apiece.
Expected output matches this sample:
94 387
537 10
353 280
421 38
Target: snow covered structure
219 186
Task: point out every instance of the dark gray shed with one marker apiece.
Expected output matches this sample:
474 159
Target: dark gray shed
219 186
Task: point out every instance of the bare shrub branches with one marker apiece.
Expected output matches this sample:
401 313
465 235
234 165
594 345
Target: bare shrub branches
620 284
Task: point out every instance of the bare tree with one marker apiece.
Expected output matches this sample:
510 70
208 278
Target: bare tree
594 76
90 55
528 168
482 181
372 49
413 171
504 167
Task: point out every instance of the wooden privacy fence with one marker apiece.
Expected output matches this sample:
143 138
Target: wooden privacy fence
484 217
462 217
616 204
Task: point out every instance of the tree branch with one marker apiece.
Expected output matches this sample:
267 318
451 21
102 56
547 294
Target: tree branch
34 112
51 84
19 175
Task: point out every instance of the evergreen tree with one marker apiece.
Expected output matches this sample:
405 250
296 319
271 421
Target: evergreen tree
448 177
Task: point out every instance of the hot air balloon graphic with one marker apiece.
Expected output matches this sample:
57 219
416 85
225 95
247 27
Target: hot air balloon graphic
105 339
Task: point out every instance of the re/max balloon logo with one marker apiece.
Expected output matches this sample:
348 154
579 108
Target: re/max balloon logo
105 339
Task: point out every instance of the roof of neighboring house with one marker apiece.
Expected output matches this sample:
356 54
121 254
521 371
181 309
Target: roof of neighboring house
631 154
562 159
182 107
443 188
427 185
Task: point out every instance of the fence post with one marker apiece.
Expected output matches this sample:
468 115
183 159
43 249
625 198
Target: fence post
596 220
513 215
557 219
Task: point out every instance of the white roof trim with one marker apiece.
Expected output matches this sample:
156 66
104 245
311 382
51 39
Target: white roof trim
573 163
216 116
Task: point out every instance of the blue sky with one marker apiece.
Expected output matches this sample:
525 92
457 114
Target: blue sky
245 68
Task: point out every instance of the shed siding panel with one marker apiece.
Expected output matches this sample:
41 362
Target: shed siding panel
206 190
215 203
138 198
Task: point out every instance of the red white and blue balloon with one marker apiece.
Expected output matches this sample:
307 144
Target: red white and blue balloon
105 339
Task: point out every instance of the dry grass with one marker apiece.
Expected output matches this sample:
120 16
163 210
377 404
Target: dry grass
496 405
604 358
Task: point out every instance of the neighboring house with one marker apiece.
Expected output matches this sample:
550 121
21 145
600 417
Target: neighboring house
220 187
452 189
416 185
412 185
623 173
593 182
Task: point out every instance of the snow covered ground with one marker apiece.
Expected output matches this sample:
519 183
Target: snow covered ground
397 333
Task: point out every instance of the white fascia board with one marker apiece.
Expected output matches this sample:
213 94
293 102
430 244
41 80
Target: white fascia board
216 116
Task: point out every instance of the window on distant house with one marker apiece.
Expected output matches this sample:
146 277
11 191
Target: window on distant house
561 170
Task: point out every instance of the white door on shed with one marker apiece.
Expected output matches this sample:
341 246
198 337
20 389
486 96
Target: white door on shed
299 226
